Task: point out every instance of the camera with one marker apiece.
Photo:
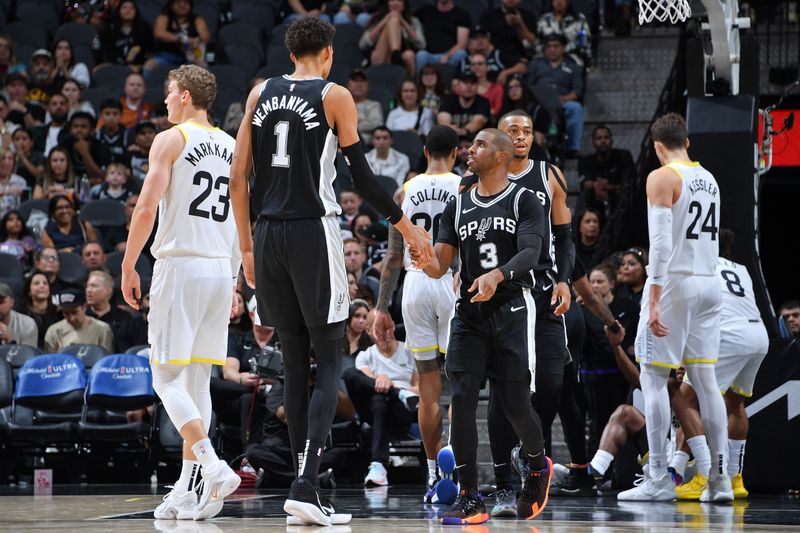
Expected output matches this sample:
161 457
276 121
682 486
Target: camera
268 364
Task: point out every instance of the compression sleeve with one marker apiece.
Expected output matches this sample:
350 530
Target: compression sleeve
660 228
529 246
565 251
367 186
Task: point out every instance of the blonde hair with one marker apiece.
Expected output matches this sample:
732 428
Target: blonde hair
200 83
119 166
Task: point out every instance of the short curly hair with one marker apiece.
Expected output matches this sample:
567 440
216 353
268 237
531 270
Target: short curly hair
200 83
308 36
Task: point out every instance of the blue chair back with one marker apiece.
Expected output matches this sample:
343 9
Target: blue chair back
54 382
120 382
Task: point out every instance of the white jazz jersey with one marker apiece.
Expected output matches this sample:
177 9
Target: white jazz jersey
695 222
194 216
738 299
424 200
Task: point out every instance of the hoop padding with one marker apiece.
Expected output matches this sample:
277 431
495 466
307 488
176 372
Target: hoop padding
673 11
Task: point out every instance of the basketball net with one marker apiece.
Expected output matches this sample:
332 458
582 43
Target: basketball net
673 11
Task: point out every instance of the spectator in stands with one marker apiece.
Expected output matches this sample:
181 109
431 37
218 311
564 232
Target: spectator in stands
30 163
235 112
360 223
350 202
15 328
240 323
94 12
88 156
134 331
93 257
139 152
66 68
9 64
129 38
410 115
467 112
370 112
789 311
99 294
355 261
352 286
356 337
446 28
599 198
499 64
22 112
393 35
385 160
490 90
77 327
58 177
632 274
48 262
180 36
614 164
518 96
72 91
110 131
7 127
41 74
464 142
116 185
65 231
383 387
511 27
115 238
134 108
566 78
607 388
587 241
310 8
375 237
16 239
46 137
37 303
12 186
430 87
562 19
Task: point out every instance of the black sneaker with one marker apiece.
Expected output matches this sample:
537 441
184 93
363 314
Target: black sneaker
577 483
467 509
305 503
535 485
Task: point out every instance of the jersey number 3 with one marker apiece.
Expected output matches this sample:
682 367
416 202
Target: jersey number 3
218 213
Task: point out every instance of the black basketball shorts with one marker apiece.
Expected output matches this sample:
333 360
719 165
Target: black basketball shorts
552 353
300 273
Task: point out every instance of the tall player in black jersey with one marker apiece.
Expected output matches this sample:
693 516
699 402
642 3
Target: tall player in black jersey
496 228
289 136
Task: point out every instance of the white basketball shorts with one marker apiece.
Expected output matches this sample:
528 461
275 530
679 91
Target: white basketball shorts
690 308
190 307
428 306
743 346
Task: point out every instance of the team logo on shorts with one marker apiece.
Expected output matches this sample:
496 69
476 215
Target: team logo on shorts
339 302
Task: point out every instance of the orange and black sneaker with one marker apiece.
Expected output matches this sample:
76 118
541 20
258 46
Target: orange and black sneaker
467 509
535 485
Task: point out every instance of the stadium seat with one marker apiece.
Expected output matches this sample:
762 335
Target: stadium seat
246 57
17 355
114 265
97 95
26 207
117 383
383 96
10 269
26 32
388 76
84 40
277 55
6 383
89 354
40 12
340 74
150 9
111 76
410 144
475 8
272 71
138 349
350 55
259 14
388 183
347 35
209 10
278 34
72 269
51 383
103 213
230 76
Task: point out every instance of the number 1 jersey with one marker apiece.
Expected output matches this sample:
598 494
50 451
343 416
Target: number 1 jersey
294 150
485 232
194 215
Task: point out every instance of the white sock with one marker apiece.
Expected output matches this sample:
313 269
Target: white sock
601 461
186 480
205 454
678 462
702 455
431 469
735 456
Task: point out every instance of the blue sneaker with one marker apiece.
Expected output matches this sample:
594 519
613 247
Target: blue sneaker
446 492
446 460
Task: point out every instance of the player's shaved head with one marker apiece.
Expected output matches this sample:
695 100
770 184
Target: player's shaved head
515 116
501 141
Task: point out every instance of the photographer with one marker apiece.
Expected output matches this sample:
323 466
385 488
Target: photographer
274 452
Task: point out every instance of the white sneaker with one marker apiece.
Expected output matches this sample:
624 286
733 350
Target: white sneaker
217 483
376 477
718 490
650 491
176 507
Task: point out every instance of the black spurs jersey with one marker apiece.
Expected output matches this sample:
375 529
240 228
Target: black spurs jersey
534 178
485 232
294 150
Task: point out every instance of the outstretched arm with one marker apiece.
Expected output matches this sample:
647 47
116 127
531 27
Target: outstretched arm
561 222
392 264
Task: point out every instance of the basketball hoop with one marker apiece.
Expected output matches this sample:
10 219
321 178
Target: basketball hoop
664 10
